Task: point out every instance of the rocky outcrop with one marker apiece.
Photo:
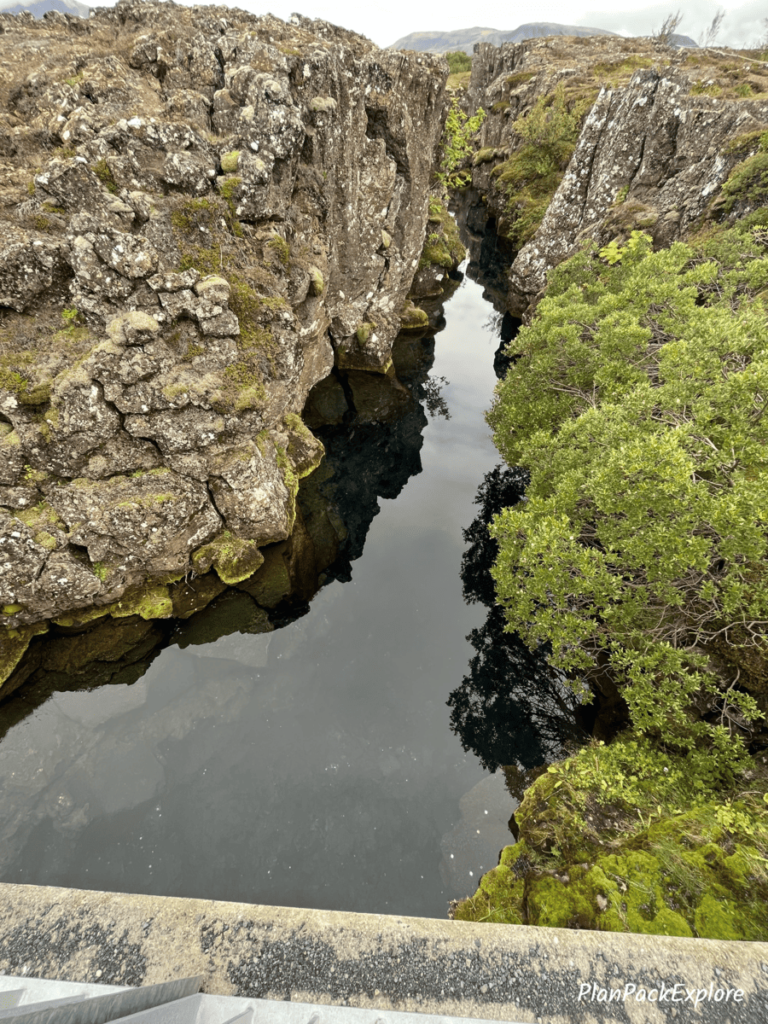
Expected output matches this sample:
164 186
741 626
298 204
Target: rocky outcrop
655 146
371 427
202 212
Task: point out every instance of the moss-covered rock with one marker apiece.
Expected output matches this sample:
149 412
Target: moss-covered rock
233 558
625 838
192 595
442 246
230 161
271 583
13 645
316 281
151 601
412 318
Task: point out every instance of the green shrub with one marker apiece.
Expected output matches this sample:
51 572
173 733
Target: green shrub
628 838
457 145
530 177
636 401
458 61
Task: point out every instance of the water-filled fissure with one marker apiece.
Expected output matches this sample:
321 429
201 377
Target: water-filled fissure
349 759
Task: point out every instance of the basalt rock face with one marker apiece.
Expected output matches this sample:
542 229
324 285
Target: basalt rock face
654 148
202 211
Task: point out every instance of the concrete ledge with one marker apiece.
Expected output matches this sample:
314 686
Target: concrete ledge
497 972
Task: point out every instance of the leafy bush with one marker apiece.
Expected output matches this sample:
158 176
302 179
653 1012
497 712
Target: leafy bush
748 182
532 174
457 145
458 61
637 402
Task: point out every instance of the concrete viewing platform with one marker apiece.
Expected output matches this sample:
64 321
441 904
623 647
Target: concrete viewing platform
377 962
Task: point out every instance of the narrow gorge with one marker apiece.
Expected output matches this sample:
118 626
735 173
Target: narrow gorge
247 357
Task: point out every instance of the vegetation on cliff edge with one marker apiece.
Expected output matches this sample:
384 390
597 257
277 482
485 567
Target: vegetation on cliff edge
636 401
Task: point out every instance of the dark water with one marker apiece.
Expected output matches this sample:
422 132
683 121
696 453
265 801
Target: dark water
314 765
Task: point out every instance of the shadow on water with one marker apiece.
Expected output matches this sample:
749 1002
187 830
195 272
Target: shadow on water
489 260
511 708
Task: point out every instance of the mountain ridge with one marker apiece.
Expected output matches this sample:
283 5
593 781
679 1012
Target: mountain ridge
464 39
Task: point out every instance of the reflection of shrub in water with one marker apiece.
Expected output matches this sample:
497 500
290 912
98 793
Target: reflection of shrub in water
510 708
429 391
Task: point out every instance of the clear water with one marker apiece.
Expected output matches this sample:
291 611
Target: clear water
313 766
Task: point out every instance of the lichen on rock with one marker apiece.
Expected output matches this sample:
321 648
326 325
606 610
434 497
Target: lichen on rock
214 209
657 127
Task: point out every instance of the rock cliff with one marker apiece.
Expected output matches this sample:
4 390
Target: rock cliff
655 139
203 211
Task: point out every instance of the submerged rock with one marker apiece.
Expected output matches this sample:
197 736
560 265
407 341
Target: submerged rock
224 206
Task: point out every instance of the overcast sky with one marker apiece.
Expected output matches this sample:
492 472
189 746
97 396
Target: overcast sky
386 21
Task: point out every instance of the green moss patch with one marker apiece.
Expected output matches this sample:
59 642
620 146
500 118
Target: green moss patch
233 558
279 251
625 838
230 161
483 156
442 246
747 184
530 177
103 172
13 646
412 318
519 78
150 601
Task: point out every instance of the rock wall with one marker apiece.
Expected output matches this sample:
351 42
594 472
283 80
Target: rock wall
202 212
656 143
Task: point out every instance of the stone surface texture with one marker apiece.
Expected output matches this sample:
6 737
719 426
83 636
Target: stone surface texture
653 151
486 971
199 208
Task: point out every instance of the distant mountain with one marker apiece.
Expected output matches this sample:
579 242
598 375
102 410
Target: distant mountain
465 38
39 7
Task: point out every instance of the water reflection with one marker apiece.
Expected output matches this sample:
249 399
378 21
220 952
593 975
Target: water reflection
372 445
511 708
304 757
